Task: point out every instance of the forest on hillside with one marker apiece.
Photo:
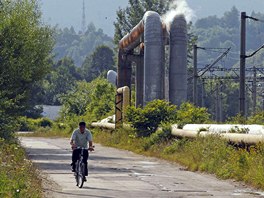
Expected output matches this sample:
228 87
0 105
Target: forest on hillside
224 32
77 45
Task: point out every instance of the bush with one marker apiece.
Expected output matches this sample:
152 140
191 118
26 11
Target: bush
254 119
189 114
161 135
29 124
147 120
257 118
238 119
44 122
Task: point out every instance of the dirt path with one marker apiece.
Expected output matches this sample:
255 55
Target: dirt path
114 173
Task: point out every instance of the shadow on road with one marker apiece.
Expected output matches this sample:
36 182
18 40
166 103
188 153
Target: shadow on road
58 161
61 194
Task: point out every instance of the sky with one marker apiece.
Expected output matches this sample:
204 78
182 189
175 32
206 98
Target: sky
66 13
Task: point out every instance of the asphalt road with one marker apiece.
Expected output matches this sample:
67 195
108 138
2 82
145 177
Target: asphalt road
116 173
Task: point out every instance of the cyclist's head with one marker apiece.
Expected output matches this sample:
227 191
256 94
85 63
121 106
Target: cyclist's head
82 126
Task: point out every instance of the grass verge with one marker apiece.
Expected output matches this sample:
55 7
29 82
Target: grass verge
207 154
18 177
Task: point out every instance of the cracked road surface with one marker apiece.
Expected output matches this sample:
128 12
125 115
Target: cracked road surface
116 173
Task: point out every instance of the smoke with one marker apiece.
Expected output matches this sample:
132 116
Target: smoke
178 7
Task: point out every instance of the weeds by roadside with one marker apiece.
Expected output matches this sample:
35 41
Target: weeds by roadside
208 154
18 177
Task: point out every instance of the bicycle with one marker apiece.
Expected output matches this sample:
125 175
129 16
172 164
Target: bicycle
80 168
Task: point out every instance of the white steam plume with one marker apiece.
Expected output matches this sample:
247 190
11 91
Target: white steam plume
178 7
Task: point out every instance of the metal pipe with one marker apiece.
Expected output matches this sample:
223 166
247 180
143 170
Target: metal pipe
133 37
232 137
125 92
124 70
154 69
178 61
103 125
140 79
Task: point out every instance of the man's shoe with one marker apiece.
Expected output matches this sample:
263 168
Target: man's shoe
73 167
85 179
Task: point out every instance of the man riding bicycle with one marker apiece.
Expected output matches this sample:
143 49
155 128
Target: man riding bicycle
80 138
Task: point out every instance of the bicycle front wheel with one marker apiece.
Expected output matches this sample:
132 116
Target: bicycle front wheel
80 175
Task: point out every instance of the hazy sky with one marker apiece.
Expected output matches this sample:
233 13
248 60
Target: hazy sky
68 13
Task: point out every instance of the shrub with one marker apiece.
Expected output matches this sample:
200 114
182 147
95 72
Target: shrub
147 120
257 118
29 124
238 119
188 113
44 122
161 135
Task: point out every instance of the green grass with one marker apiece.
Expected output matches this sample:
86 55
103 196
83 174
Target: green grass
18 177
208 154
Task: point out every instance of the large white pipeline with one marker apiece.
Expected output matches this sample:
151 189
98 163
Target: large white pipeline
232 137
226 128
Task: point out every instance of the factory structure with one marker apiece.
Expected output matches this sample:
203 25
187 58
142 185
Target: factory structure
144 47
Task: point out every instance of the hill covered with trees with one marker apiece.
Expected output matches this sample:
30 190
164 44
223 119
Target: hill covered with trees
76 45
224 32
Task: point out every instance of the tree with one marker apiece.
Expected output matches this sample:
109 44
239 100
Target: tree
93 100
59 81
78 46
25 49
231 18
98 63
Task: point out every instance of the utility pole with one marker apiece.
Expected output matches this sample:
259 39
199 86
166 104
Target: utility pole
242 64
220 102
263 101
254 89
195 74
217 103
203 93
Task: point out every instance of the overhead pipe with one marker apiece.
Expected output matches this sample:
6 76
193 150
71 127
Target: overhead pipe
135 37
132 40
178 60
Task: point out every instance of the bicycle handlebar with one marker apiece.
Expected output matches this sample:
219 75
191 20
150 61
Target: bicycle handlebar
90 149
